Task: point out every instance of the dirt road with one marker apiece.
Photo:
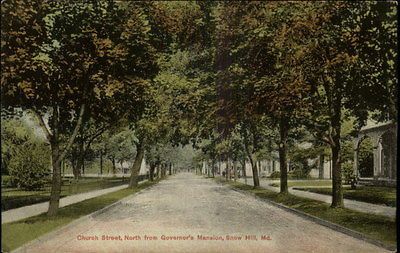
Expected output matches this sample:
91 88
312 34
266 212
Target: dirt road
187 213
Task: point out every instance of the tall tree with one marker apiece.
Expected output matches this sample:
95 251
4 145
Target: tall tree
69 61
348 80
268 65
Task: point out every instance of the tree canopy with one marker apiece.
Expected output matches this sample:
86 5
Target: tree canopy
237 81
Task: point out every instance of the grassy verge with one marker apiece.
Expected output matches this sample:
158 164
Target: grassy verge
14 198
20 232
306 183
376 227
370 194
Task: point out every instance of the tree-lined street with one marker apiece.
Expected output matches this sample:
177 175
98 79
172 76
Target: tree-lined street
93 90
188 205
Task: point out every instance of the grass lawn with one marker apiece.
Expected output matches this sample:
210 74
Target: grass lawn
377 227
306 183
370 194
20 232
14 198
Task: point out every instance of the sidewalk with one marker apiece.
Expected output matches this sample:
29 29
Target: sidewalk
36 209
348 203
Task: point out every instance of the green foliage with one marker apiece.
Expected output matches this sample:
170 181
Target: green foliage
236 80
13 134
275 174
365 159
165 154
299 157
350 79
98 54
121 146
26 157
347 151
6 181
299 173
347 171
29 168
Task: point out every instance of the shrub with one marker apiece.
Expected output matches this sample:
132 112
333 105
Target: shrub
275 174
299 173
6 181
300 168
347 171
30 166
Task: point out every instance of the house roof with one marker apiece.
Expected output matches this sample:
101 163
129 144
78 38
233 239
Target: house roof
378 127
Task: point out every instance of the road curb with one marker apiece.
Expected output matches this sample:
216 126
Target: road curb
322 222
23 248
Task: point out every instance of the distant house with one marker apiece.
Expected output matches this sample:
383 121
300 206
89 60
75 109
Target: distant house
384 139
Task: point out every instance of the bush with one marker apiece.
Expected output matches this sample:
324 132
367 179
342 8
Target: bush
298 174
30 167
5 181
347 172
275 174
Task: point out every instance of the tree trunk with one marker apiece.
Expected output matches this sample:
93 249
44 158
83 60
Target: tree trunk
213 168
55 193
75 169
114 168
81 158
170 169
56 181
83 167
157 171
101 162
227 170
63 168
235 171
256 180
151 172
337 193
56 155
321 166
283 132
163 170
133 182
244 170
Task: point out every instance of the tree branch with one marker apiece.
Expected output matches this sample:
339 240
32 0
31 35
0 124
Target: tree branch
42 124
74 134
327 140
99 132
